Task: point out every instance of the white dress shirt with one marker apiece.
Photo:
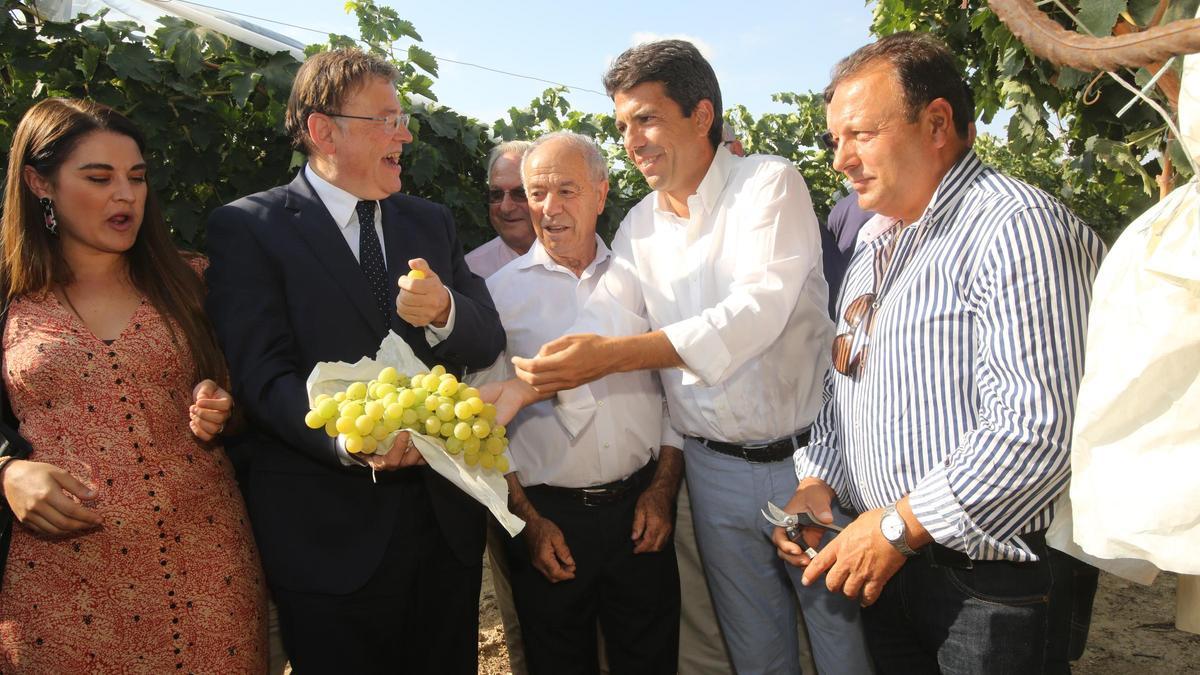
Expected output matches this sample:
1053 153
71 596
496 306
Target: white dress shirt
737 288
487 258
538 300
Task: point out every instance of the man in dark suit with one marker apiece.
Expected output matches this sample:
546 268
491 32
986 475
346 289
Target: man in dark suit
368 576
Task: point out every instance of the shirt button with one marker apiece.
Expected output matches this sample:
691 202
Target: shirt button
601 404
606 445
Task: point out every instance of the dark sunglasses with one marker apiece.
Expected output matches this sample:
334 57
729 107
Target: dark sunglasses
496 195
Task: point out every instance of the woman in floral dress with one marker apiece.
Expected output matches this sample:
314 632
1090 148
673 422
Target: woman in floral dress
132 551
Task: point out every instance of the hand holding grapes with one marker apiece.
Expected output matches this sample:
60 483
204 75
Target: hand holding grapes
423 299
402 455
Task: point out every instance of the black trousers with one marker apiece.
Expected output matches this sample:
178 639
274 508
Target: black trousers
418 614
634 597
998 617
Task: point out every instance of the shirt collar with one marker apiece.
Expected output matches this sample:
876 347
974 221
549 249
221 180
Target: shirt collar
710 188
340 204
951 189
539 257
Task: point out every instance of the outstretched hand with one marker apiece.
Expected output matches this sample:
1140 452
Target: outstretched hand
509 397
566 362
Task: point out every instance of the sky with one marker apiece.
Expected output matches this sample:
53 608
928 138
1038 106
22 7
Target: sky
756 48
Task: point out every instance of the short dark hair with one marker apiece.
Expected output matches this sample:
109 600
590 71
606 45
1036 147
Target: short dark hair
686 76
323 83
925 68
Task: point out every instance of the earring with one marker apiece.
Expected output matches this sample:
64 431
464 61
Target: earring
48 212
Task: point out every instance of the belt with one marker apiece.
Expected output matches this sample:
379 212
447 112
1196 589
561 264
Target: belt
602 495
759 454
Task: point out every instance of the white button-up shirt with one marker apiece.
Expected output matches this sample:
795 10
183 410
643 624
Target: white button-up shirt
538 301
487 258
737 288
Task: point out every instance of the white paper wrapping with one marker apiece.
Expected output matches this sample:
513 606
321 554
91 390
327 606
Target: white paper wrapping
486 487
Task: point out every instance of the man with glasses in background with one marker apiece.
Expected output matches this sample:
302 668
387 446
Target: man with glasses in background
508 212
948 411
374 563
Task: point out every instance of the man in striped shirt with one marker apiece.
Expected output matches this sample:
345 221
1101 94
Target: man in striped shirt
948 410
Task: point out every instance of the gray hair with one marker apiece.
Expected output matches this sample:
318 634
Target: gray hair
596 163
518 148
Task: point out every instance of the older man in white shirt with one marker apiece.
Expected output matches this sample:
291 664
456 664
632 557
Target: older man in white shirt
722 267
508 211
598 500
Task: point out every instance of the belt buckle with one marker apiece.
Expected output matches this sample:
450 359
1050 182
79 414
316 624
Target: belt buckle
747 452
593 496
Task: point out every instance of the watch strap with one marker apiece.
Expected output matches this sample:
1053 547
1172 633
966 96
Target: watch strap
900 544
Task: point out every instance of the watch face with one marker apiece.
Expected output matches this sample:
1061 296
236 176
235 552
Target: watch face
892 526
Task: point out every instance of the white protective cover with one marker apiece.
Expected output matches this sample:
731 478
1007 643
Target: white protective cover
1134 499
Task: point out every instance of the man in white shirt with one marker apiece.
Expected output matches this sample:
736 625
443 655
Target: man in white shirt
597 501
508 211
715 282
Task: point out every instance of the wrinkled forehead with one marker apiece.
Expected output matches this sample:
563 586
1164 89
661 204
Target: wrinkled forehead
556 163
869 96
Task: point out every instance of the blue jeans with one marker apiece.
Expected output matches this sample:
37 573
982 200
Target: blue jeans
998 617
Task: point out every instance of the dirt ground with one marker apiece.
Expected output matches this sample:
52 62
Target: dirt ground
1133 631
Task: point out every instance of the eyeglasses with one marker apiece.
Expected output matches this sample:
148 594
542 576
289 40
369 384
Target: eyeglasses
496 195
860 317
391 122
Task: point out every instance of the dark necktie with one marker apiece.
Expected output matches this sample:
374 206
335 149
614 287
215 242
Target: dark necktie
370 258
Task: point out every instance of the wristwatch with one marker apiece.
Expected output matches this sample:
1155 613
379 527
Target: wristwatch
894 530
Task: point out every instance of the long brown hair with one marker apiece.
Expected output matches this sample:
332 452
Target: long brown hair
31 259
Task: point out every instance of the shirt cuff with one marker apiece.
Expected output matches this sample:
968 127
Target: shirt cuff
435 335
937 509
703 351
576 407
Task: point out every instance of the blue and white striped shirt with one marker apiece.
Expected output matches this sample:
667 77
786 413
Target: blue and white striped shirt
972 368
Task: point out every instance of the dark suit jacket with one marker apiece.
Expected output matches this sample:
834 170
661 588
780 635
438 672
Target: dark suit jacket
286 292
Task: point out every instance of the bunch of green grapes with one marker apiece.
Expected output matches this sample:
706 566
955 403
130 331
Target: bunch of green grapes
435 404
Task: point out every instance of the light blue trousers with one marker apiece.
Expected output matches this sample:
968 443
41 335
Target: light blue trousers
756 593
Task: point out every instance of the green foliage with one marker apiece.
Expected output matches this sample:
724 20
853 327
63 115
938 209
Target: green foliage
1108 208
1107 163
795 136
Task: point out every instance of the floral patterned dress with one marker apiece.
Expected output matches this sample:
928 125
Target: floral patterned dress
171 583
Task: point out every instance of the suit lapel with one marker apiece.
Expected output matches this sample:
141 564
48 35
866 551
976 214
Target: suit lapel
317 229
